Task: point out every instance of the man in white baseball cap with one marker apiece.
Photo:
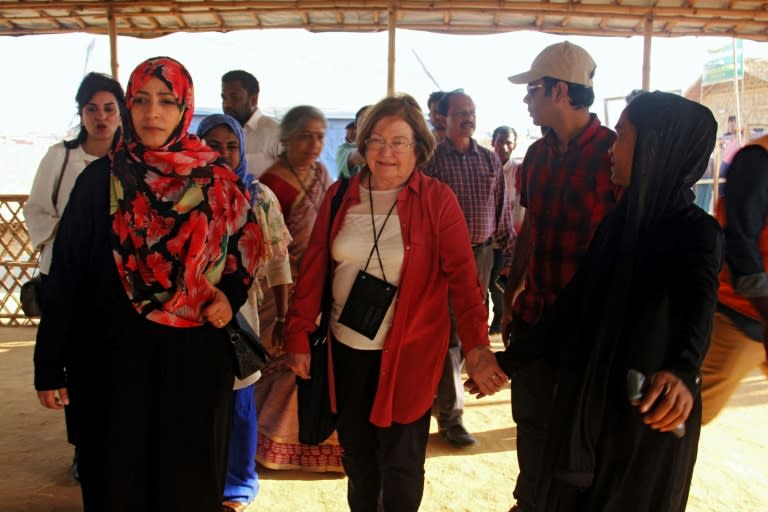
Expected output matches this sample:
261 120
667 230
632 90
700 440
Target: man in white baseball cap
566 190
563 61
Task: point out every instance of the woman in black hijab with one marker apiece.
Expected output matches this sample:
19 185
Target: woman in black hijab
642 299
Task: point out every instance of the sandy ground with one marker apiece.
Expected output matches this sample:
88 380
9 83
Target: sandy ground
34 456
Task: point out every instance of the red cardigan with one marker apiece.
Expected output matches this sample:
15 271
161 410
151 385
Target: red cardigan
438 257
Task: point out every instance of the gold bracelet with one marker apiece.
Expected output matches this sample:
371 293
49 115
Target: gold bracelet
279 319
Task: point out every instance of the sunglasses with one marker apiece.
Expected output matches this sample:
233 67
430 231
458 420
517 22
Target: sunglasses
532 88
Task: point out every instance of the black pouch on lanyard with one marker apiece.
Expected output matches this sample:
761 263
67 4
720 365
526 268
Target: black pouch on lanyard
368 302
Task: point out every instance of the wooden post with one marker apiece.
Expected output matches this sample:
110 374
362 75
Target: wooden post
647 37
391 24
112 28
736 94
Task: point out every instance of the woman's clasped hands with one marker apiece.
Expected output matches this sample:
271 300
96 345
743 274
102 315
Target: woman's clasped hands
485 375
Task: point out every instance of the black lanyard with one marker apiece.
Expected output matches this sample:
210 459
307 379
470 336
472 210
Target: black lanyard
376 236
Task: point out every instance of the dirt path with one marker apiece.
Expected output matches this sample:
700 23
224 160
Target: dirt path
34 457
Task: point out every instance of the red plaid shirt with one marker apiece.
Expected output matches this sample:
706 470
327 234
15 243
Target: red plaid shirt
566 195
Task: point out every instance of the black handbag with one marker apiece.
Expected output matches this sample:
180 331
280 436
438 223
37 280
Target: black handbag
250 355
31 296
316 420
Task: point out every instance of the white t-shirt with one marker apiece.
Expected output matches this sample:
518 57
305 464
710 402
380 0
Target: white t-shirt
510 176
262 142
350 251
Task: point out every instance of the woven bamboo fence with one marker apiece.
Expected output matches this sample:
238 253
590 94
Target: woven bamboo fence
18 260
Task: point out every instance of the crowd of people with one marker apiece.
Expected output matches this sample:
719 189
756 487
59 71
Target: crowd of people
589 255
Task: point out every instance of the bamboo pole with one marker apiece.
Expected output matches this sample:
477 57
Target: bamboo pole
727 26
112 28
732 16
351 28
479 6
647 39
391 25
736 94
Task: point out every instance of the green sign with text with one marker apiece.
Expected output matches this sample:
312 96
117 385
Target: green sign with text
720 68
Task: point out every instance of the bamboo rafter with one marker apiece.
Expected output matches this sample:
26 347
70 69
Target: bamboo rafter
732 18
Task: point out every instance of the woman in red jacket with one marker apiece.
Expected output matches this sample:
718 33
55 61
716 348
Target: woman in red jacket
398 244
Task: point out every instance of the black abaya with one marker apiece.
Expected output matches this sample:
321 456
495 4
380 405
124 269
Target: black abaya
643 298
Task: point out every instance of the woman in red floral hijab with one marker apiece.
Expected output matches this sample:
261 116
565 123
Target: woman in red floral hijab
155 255
176 209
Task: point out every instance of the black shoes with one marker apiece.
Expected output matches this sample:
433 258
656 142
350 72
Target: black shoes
76 464
457 435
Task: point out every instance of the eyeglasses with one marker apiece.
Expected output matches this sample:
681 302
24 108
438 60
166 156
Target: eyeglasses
396 145
532 88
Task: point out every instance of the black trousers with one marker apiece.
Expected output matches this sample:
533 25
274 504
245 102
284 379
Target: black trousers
497 296
533 392
384 466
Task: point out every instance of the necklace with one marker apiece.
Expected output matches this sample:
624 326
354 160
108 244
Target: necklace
315 204
296 175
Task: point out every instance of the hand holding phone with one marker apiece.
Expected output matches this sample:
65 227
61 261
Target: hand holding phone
637 386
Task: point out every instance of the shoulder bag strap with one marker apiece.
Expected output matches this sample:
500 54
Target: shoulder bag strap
56 187
325 304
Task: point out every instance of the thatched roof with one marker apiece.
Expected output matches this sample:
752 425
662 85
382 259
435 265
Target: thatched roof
755 72
145 18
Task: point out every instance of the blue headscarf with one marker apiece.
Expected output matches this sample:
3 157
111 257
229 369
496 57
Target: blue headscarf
214 120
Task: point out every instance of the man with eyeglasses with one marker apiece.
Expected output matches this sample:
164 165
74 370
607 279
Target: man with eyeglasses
566 191
474 174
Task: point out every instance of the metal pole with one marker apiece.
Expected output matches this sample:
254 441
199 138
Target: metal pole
647 37
391 23
112 28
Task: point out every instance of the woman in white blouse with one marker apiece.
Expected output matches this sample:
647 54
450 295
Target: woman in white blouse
99 100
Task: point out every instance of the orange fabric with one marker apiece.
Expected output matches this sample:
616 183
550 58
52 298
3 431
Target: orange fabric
726 295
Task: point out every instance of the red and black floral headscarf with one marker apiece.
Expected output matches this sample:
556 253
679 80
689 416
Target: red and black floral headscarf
181 218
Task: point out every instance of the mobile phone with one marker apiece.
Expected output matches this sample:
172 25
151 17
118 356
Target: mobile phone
637 385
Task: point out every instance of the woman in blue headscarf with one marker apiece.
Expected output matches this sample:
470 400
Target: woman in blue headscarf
224 134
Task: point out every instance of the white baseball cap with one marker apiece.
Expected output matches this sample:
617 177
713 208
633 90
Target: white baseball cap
564 61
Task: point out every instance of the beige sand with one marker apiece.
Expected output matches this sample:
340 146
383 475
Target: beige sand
34 456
